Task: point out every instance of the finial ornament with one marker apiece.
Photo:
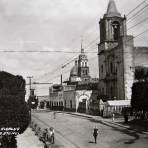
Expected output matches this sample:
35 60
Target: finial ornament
82 49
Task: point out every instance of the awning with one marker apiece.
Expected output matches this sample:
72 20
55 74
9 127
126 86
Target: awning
119 103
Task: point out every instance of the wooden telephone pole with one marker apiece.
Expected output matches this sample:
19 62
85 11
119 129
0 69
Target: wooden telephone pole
30 78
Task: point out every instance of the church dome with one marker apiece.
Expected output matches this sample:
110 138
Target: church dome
74 71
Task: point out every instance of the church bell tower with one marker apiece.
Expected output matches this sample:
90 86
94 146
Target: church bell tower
112 26
83 68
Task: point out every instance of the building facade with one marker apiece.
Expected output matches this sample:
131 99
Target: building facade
43 102
56 101
117 56
78 92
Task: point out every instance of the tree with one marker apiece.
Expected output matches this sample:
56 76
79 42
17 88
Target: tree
139 99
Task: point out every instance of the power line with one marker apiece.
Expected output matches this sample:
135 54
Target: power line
141 33
135 15
62 66
74 57
41 51
138 23
96 52
129 28
30 78
127 15
121 52
92 42
93 58
136 7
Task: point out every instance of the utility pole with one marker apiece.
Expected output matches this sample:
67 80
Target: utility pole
61 80
30 78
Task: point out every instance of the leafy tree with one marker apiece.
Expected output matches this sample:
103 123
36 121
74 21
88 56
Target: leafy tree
139 99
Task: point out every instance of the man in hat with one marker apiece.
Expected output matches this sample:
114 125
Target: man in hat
95 133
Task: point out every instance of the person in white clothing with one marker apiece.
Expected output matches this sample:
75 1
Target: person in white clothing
51 135
113 117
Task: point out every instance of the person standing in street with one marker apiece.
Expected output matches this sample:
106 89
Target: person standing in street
44 135
95 133
126 118
113 117
54 115
51 135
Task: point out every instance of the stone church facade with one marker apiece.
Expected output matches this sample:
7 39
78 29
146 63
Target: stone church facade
117 56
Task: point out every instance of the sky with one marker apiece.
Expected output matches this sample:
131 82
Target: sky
39 25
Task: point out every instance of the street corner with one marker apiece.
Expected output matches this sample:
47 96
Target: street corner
29 140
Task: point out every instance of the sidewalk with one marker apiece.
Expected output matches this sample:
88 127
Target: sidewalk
140 126
28 140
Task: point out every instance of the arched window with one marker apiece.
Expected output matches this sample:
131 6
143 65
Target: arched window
116 30
82 64
86 72
70 103
85 64
83 72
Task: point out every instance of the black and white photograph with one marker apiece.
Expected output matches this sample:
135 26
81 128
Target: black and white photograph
73 73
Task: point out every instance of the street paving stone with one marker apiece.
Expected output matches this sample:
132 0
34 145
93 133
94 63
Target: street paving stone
72 131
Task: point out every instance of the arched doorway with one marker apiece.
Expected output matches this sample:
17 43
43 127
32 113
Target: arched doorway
82 104
42 105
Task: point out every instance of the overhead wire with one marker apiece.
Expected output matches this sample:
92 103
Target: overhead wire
88 46
41 51
128 40
131 11
137 24
137 13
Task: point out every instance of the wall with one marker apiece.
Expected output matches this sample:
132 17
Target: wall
127 44
119 77
69 100
56 100
141 56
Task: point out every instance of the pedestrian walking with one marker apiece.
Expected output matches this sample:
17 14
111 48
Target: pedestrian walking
95 133
54 115
125 118
49 138
44 135
113 117
51 135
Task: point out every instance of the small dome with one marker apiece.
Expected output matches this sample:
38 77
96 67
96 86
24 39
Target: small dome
74 71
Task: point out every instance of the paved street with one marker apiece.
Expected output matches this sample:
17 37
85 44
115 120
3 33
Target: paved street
72 131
